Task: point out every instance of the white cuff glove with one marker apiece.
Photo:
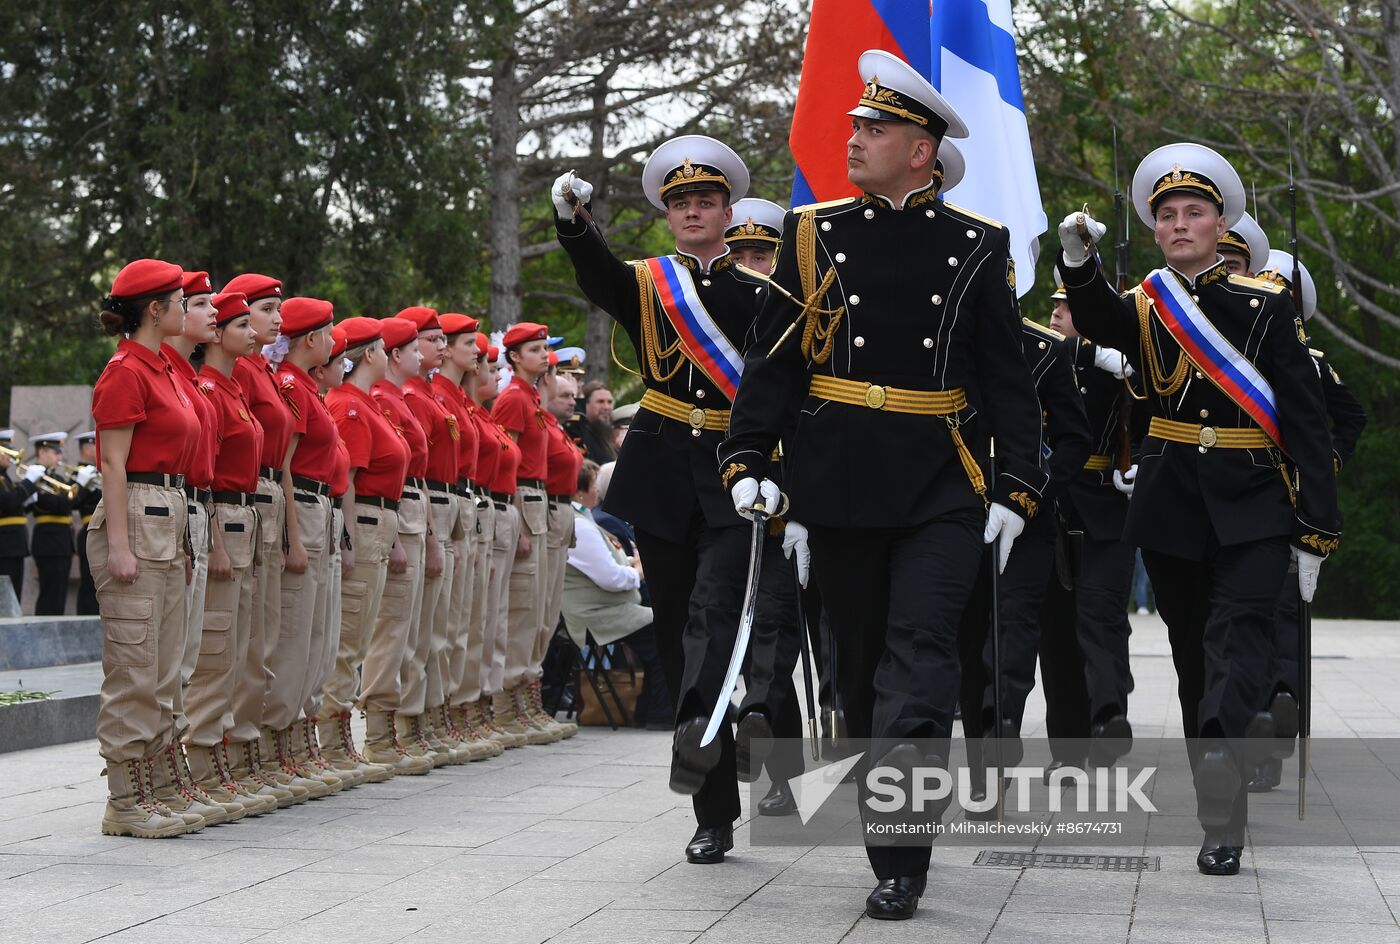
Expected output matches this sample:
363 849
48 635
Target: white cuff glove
34 473
746 491
582 189
1072 240
1125 482
1004 523
795 539
1113 361
1308 567
85 475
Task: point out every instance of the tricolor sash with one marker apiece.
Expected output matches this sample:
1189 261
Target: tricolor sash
1212 354
701 339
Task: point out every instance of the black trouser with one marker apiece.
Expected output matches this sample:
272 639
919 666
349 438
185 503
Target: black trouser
1103 583
697 590
895 596
1062 676
1220 614
1022 585
87 590
1283 666
13 567
53 585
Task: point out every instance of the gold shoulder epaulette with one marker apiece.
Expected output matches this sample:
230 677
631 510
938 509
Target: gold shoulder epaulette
1315 352
976 216
824 205
1041 329
1272 288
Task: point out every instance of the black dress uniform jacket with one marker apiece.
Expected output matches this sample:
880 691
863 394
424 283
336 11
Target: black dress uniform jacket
929 299
14 537
1346 412
1051 360
1099 508
1186 494
665 470
52 539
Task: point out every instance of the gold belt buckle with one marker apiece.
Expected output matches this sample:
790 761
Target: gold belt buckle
1208 437
696 419
875 397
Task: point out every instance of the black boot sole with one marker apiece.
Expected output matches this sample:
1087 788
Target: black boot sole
1112 741
753 741
1217 785
691 763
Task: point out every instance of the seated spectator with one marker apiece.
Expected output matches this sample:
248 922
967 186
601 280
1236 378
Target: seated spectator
595 429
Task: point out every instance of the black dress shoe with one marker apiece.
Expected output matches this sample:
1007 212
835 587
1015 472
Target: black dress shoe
895 899
1008 739
709 844
1266 776
778 802
1111 739
1055 765
1217 859
691 763
1284 708
1217 784
752 742
978 794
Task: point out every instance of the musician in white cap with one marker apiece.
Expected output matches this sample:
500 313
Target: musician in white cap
755 233
904 359
1232 392
15 495
690 316
51 542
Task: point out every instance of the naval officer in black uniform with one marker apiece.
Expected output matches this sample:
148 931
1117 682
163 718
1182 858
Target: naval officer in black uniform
690 317
89 496
15 494
51 543
1213 508
906 362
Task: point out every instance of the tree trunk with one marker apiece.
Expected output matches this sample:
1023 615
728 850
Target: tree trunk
504 224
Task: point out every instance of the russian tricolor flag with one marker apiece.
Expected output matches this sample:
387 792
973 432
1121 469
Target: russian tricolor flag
967 51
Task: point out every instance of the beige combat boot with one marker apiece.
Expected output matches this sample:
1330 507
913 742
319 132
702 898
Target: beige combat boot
203 765
132 808
536 731
255 803
247 770
308 748
409 729
436 724
498 715
182 796
451 733
339 748
233 807
534 699
473 735
382 746
168 794
299 751
278 767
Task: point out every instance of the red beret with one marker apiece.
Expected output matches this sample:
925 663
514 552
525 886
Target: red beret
397 332
147 277
228 306
197 283
523 333
553 359
341 340
493 353
482 343
360 331
255 286
455 323
424 319
304 315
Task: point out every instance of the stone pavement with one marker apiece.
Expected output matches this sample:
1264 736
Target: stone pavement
581 842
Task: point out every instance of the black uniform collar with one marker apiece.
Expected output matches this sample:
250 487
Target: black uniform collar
916 197
718 264
1213 274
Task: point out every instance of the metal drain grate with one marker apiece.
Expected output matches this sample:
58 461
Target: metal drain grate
1055 860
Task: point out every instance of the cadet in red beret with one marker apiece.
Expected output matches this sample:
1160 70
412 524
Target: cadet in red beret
228 601
379 457
518 411
305 334
148 433
424 319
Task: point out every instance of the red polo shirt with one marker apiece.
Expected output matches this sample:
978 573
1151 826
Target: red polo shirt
392 405
507 462
376 449
340 476
518 411
452 398
139 388
201 471
254 375
488 449
564 460
315 453
236 430
440 425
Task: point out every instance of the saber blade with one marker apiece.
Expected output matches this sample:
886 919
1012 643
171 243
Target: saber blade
741 642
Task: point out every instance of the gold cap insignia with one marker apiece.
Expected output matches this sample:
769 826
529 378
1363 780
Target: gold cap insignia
872 86
749 226
1176 173
687 168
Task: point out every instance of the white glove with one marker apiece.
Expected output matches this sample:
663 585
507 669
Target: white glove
1125 482
748 490
1072 241
795 539
1113 361
1004 523
85 475
582 189
34 473
1308 567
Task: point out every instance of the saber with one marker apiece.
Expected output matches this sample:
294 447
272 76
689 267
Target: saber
1081 225
571 198
786 294
741 643
996 636
805 656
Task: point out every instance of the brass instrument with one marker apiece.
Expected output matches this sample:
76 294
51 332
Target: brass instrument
51 484
14 455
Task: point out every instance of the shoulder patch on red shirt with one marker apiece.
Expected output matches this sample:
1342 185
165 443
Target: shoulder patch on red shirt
206 387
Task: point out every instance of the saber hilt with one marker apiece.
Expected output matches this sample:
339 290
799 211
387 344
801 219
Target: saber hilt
571 198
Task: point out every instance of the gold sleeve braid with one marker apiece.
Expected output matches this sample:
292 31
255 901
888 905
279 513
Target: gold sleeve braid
813 331
1163 385
652 353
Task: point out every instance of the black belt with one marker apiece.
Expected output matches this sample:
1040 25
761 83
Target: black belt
386 503
335 503
436 486
412 482
502 506
308 499
264 499
439 499
566 499
499 497
410 495
196 494
530 483
236 498
268 472
156 478
311 485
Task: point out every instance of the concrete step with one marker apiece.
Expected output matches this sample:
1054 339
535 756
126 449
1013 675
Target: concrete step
70 714
30 642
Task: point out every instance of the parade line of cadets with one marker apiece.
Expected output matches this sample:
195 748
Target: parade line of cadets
315 517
